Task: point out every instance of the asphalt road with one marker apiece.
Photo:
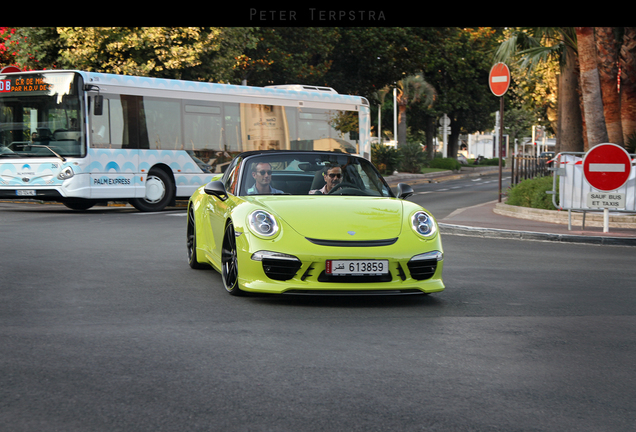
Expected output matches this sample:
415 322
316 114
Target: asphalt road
104 327
443 198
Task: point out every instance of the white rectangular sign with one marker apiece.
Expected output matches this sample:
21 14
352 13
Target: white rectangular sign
606 200
607 167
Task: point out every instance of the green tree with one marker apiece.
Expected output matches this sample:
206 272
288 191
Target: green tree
457 66
196 53
6 54
594 57
366 59
288 55
532 47
518 123
35 48
411 90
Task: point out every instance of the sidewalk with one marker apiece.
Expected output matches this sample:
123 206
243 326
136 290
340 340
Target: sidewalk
493 221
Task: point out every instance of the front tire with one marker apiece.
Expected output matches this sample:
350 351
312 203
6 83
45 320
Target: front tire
159 192
229 262
79 204
192 242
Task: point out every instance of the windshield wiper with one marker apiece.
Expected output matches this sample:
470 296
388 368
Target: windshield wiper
51 150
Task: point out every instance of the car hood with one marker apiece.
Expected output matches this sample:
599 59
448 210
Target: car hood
338 218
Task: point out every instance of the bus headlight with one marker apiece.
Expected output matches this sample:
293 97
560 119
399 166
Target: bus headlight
66 173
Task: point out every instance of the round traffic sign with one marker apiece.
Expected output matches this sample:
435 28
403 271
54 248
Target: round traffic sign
499 79
607 166
10 69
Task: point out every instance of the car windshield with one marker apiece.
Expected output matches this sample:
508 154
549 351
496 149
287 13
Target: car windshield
304 174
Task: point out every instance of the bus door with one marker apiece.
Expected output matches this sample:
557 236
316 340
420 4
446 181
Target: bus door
114 148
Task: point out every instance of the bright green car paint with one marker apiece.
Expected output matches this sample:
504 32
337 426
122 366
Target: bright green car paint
330 217
360 218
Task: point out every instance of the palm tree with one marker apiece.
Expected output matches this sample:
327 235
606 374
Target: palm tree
607 51
410 90
588 57
627 60
591 87
532 47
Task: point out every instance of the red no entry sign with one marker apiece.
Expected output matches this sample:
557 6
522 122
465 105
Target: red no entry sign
499 79
10 69
607 167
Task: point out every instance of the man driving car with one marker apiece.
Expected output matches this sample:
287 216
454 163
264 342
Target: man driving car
332 177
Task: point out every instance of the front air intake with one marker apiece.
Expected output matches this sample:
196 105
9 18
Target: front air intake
424 266
280 269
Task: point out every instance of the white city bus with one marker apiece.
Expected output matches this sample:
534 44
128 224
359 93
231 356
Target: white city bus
83 138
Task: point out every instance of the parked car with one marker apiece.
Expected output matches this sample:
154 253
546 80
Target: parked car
462 159
303 237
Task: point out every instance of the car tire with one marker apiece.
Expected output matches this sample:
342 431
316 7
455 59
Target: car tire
79 204
191 242
229 263
159 192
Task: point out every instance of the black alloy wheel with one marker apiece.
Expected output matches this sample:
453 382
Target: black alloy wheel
192 242
229 262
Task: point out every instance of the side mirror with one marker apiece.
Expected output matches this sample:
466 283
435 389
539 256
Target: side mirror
217 189
404 191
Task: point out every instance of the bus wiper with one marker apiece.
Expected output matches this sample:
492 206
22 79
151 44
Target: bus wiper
51 150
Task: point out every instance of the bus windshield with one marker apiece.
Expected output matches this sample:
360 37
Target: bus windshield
41 115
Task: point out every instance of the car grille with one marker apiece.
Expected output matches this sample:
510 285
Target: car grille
422 269
282 269
353 243
324 277
323 292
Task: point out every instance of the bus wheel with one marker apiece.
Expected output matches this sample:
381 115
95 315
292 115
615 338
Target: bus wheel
79 204
159 191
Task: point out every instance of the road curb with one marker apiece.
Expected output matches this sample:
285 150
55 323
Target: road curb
462 230
440 176
592 218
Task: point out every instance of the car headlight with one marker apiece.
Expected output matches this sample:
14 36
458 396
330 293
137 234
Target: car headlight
66 173
423 224
263 223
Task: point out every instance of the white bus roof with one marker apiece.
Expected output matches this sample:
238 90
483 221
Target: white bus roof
289 91
302 87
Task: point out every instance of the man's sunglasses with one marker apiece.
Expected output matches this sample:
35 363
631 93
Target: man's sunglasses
263 172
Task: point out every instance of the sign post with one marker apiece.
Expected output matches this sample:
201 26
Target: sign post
445 131
606 167
499 81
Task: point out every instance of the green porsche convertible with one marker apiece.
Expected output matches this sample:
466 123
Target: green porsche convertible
308 222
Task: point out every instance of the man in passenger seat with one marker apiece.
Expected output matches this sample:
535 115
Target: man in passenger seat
262 173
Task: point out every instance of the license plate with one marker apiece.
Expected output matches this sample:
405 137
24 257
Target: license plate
357 267
25 192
